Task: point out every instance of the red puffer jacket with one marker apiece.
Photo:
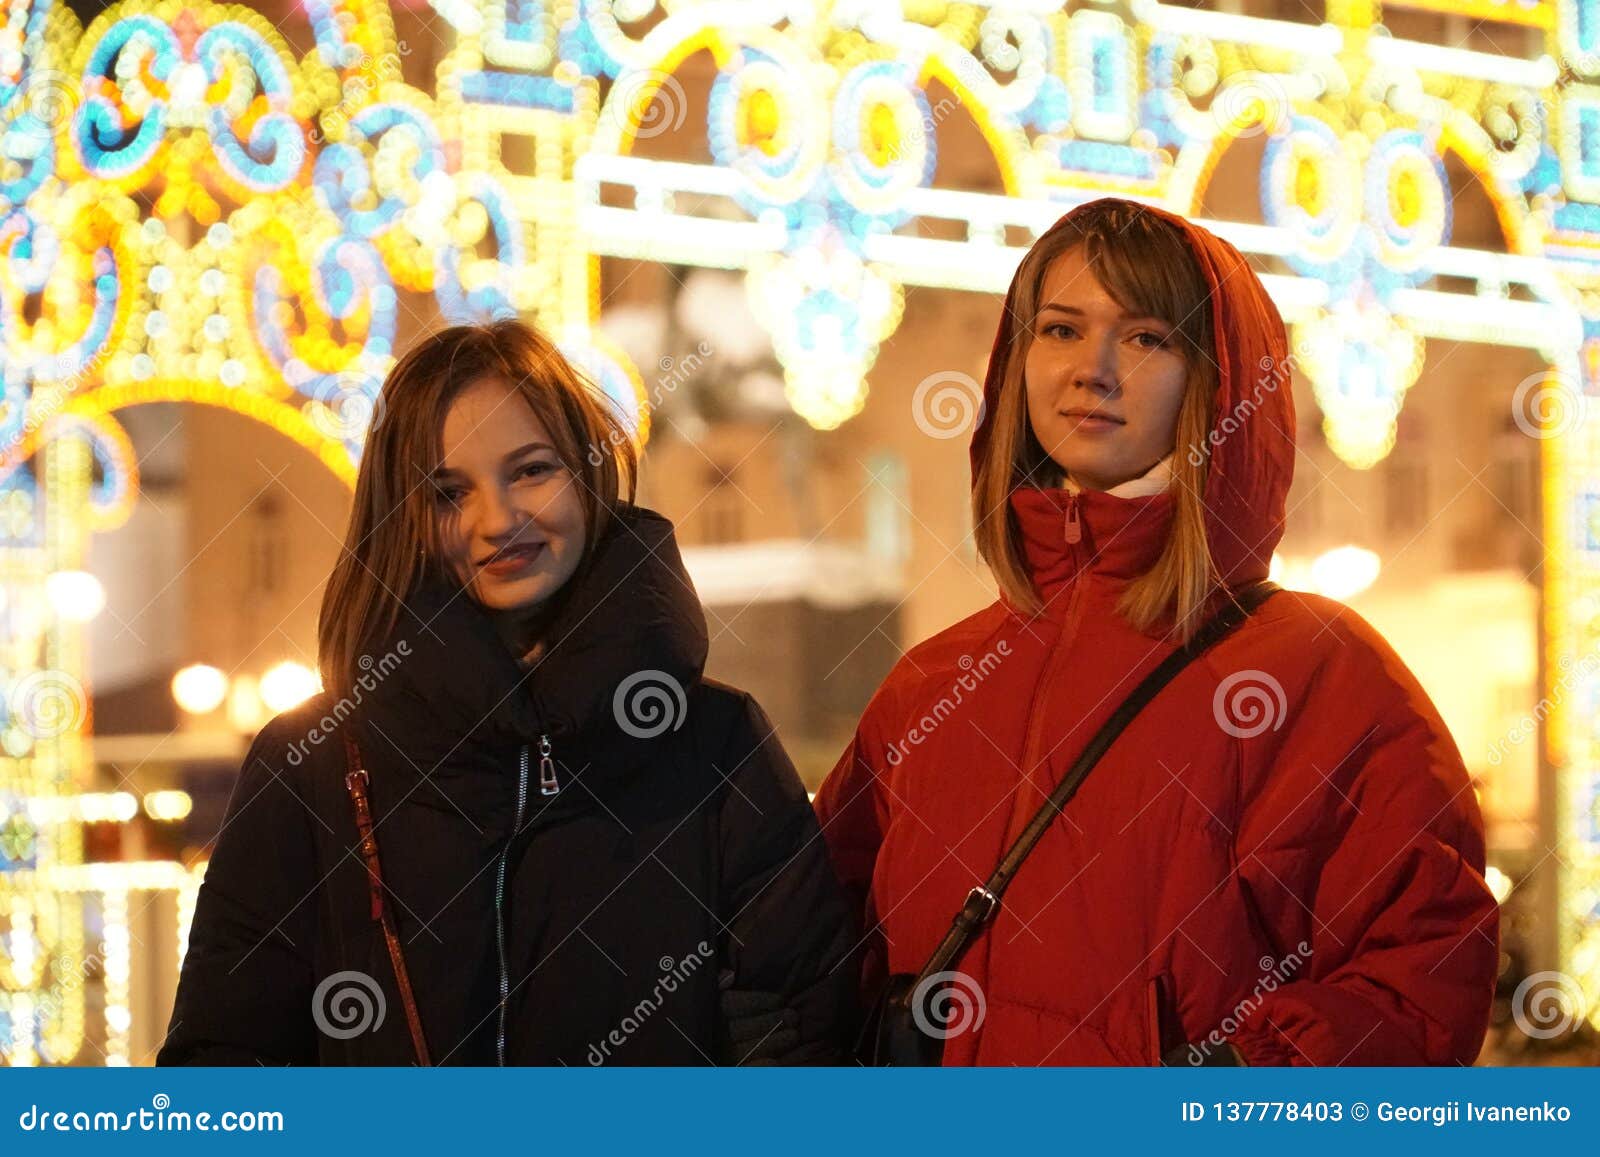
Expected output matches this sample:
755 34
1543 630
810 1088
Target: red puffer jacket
1283 851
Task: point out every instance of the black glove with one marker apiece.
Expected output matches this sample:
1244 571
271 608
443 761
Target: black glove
761 1029
1192 1056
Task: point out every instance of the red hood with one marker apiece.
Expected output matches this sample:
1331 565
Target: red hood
1252 456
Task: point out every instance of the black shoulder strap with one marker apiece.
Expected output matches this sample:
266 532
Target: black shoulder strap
984 900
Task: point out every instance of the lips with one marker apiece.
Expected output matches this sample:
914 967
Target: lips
512 560
1093 419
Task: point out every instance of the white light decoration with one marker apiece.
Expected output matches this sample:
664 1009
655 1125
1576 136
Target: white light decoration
168 806
1344 572
1499 883
199 688
287 684
75 595
245 710
255 244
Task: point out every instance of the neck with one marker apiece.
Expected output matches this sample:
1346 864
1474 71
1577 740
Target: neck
1152 481
522 629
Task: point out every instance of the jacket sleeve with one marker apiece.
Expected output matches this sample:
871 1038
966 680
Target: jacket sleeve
789 929
245 989
1361 851
851 806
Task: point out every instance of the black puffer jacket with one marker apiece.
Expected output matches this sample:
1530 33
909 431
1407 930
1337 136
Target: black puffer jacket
678 855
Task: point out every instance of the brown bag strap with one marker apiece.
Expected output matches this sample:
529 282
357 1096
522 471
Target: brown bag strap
355 782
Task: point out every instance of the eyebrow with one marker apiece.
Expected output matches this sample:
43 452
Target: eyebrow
1076 312
526 448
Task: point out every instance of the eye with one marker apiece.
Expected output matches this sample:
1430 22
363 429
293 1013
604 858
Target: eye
448 494
1150 340
1057 329
533 470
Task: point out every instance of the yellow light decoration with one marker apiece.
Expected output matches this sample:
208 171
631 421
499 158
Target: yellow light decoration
292 423
235 290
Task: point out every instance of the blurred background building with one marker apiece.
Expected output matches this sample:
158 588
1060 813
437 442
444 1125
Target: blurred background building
775 233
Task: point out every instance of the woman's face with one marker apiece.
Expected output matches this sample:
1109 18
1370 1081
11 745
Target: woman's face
1104 386
511 520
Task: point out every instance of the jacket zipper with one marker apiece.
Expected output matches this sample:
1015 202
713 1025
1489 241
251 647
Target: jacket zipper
500 889
548 785
1072 530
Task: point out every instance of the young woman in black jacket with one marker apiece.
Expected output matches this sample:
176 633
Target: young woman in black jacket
581 850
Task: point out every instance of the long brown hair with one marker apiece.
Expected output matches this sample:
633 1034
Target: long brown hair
1147 267
393 539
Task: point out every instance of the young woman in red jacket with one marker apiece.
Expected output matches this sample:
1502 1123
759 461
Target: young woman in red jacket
1280 861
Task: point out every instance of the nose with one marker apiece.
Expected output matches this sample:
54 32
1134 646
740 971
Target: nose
1096 369
500 521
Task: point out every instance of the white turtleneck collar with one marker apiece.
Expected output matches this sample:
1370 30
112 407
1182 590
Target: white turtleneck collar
1152 481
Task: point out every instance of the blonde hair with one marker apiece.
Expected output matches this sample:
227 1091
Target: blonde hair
1148 267
393 538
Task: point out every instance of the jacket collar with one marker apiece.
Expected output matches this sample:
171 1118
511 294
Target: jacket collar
1066 533
1152 481
629 624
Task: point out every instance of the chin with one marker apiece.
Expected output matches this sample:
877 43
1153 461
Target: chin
510 596
1086 465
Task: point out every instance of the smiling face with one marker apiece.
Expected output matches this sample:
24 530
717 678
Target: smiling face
1104 386
511 520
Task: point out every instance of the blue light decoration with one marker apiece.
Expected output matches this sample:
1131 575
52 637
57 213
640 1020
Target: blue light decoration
1365 241
469 288
190 209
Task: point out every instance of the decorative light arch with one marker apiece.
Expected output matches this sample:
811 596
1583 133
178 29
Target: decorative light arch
188 209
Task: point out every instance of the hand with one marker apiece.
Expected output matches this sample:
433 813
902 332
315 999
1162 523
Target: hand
761 1029
1202 1055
